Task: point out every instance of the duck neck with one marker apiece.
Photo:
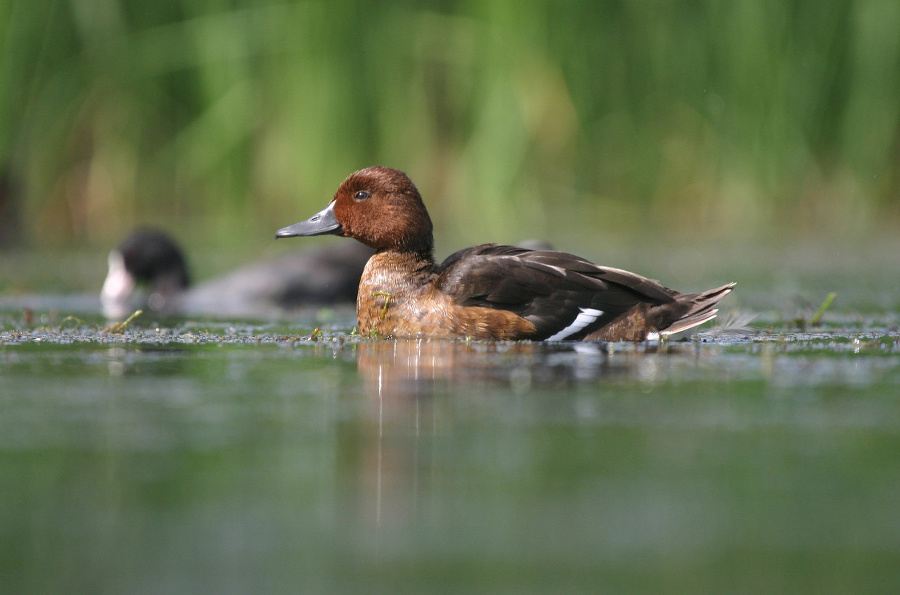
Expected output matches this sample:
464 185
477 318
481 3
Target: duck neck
415 247
403 262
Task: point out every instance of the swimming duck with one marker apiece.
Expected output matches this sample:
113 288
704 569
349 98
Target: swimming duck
151 258
488 291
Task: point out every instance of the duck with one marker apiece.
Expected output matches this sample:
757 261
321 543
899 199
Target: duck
148 269
489 291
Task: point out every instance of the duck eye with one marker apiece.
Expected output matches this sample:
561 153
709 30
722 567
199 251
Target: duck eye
361 195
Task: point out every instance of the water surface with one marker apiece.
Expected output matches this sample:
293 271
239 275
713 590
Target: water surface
213 457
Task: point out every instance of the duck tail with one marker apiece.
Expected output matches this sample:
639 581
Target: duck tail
699 308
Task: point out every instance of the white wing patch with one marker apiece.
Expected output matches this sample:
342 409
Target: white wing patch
584 318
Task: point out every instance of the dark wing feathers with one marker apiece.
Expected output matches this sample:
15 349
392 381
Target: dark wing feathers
547 288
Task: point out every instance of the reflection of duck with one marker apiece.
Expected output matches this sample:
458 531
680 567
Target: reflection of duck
488 291
408 368
152 259
397 372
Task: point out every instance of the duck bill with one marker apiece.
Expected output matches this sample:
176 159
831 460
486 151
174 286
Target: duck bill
322 223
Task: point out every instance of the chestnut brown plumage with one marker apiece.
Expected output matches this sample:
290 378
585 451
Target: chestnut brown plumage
488 291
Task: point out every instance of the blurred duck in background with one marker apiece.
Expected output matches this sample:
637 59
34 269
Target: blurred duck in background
148 270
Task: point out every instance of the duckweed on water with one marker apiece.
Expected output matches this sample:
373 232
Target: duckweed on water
883 340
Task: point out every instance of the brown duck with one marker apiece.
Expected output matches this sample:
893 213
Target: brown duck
488 291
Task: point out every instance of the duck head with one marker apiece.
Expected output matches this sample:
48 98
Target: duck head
377 206
150 258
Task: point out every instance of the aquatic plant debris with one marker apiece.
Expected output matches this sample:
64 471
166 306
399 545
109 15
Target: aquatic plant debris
119 327
817 317
881 339
74 319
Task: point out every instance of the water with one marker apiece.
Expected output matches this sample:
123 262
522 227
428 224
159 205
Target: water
219 457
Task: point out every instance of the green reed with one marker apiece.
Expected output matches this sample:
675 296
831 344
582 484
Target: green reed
710 118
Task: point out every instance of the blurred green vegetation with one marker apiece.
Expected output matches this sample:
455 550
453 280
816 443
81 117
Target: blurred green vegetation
224 121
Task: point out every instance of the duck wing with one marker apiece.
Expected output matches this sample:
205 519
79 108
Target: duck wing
564 296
